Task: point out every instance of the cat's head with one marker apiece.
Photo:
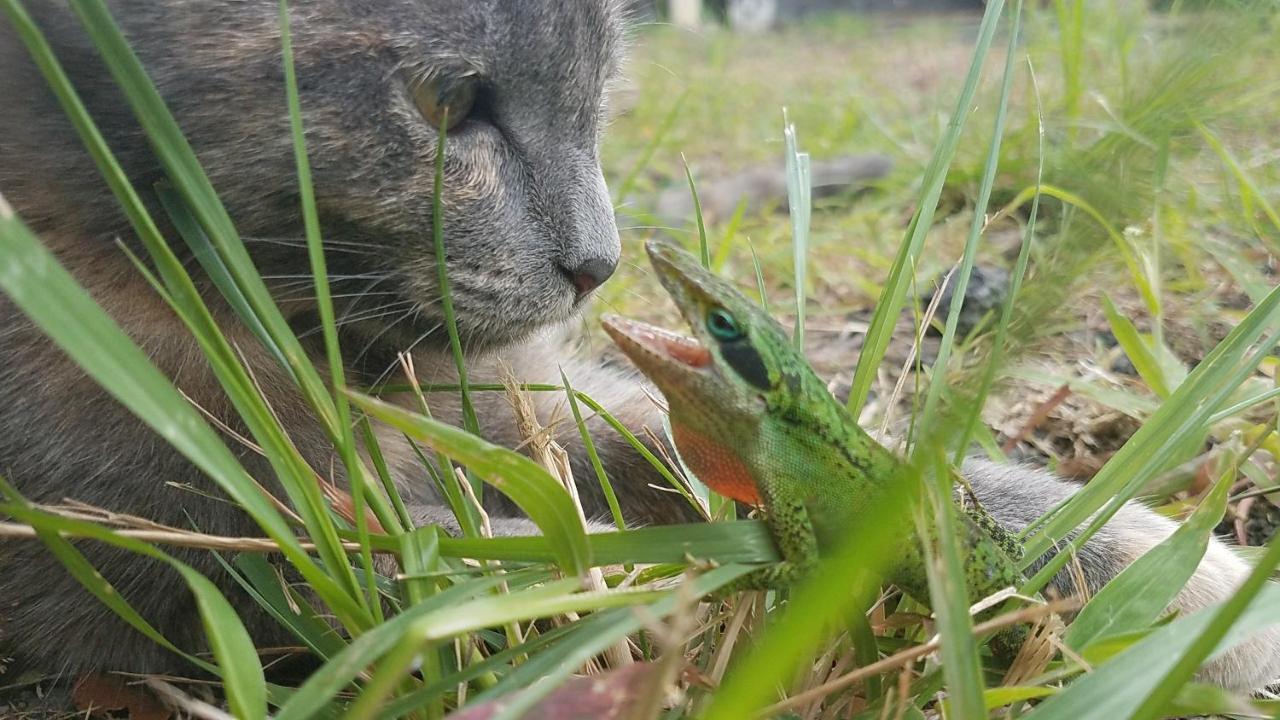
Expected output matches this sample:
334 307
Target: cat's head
528 222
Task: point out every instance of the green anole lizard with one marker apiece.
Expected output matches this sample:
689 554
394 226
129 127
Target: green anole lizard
754 422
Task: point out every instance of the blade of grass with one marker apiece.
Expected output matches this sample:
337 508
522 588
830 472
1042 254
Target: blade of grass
972 422
183 168
207 256
659 137
1222 621
1249 192
738 541
948 598
730 234
960 279
39 286
606 487
759 271
595 634
187 302
237 659
637 445
1120 686
442 473
261 580
1181 416
1191 428
1136 349
384 473
1244 405
446 297
420 555
800 203
704 252
893 298
357 475
531 650
1142 591
961 665
539 495
343 668
1071 53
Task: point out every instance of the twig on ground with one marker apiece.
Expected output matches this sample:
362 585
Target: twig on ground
915 653
178 700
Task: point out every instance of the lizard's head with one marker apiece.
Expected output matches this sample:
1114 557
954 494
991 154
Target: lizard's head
721 383
734 365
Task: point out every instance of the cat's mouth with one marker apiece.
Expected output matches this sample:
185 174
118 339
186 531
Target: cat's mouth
647 345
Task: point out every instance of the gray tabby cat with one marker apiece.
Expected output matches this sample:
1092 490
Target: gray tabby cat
530 229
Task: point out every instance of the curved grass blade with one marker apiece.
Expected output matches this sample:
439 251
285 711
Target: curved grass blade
1179 419
446 297
610 497
704 252
637 445
358 476
1222 622
47 293
189 179
592 637
237 658
972 425
1118 687
531 649
1142 591
738 541
894 296
72 313
961 277
539 495
1136 349
343 668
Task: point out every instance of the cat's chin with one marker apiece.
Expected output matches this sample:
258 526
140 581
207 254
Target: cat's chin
489 336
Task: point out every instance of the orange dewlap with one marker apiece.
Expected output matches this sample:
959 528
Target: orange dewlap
716 465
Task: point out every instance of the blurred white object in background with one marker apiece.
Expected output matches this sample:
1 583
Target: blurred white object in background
686 13
752 15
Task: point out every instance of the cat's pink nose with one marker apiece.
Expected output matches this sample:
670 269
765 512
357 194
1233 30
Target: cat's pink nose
590 275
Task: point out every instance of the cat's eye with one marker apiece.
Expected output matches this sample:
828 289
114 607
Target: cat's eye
445 101
723 325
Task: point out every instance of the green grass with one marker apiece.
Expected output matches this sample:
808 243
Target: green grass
1125 157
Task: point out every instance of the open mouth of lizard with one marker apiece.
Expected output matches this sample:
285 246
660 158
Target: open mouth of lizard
635 337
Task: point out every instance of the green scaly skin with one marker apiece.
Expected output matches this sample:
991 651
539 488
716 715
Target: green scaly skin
755 423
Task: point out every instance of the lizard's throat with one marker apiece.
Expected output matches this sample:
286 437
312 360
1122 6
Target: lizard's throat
715 464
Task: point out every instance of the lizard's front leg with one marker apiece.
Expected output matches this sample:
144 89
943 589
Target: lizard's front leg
793 533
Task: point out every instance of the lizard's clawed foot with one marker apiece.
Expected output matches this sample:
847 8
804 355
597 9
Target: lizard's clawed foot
772 577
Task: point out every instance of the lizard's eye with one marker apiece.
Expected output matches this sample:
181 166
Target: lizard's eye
445 101
736 351
723 326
